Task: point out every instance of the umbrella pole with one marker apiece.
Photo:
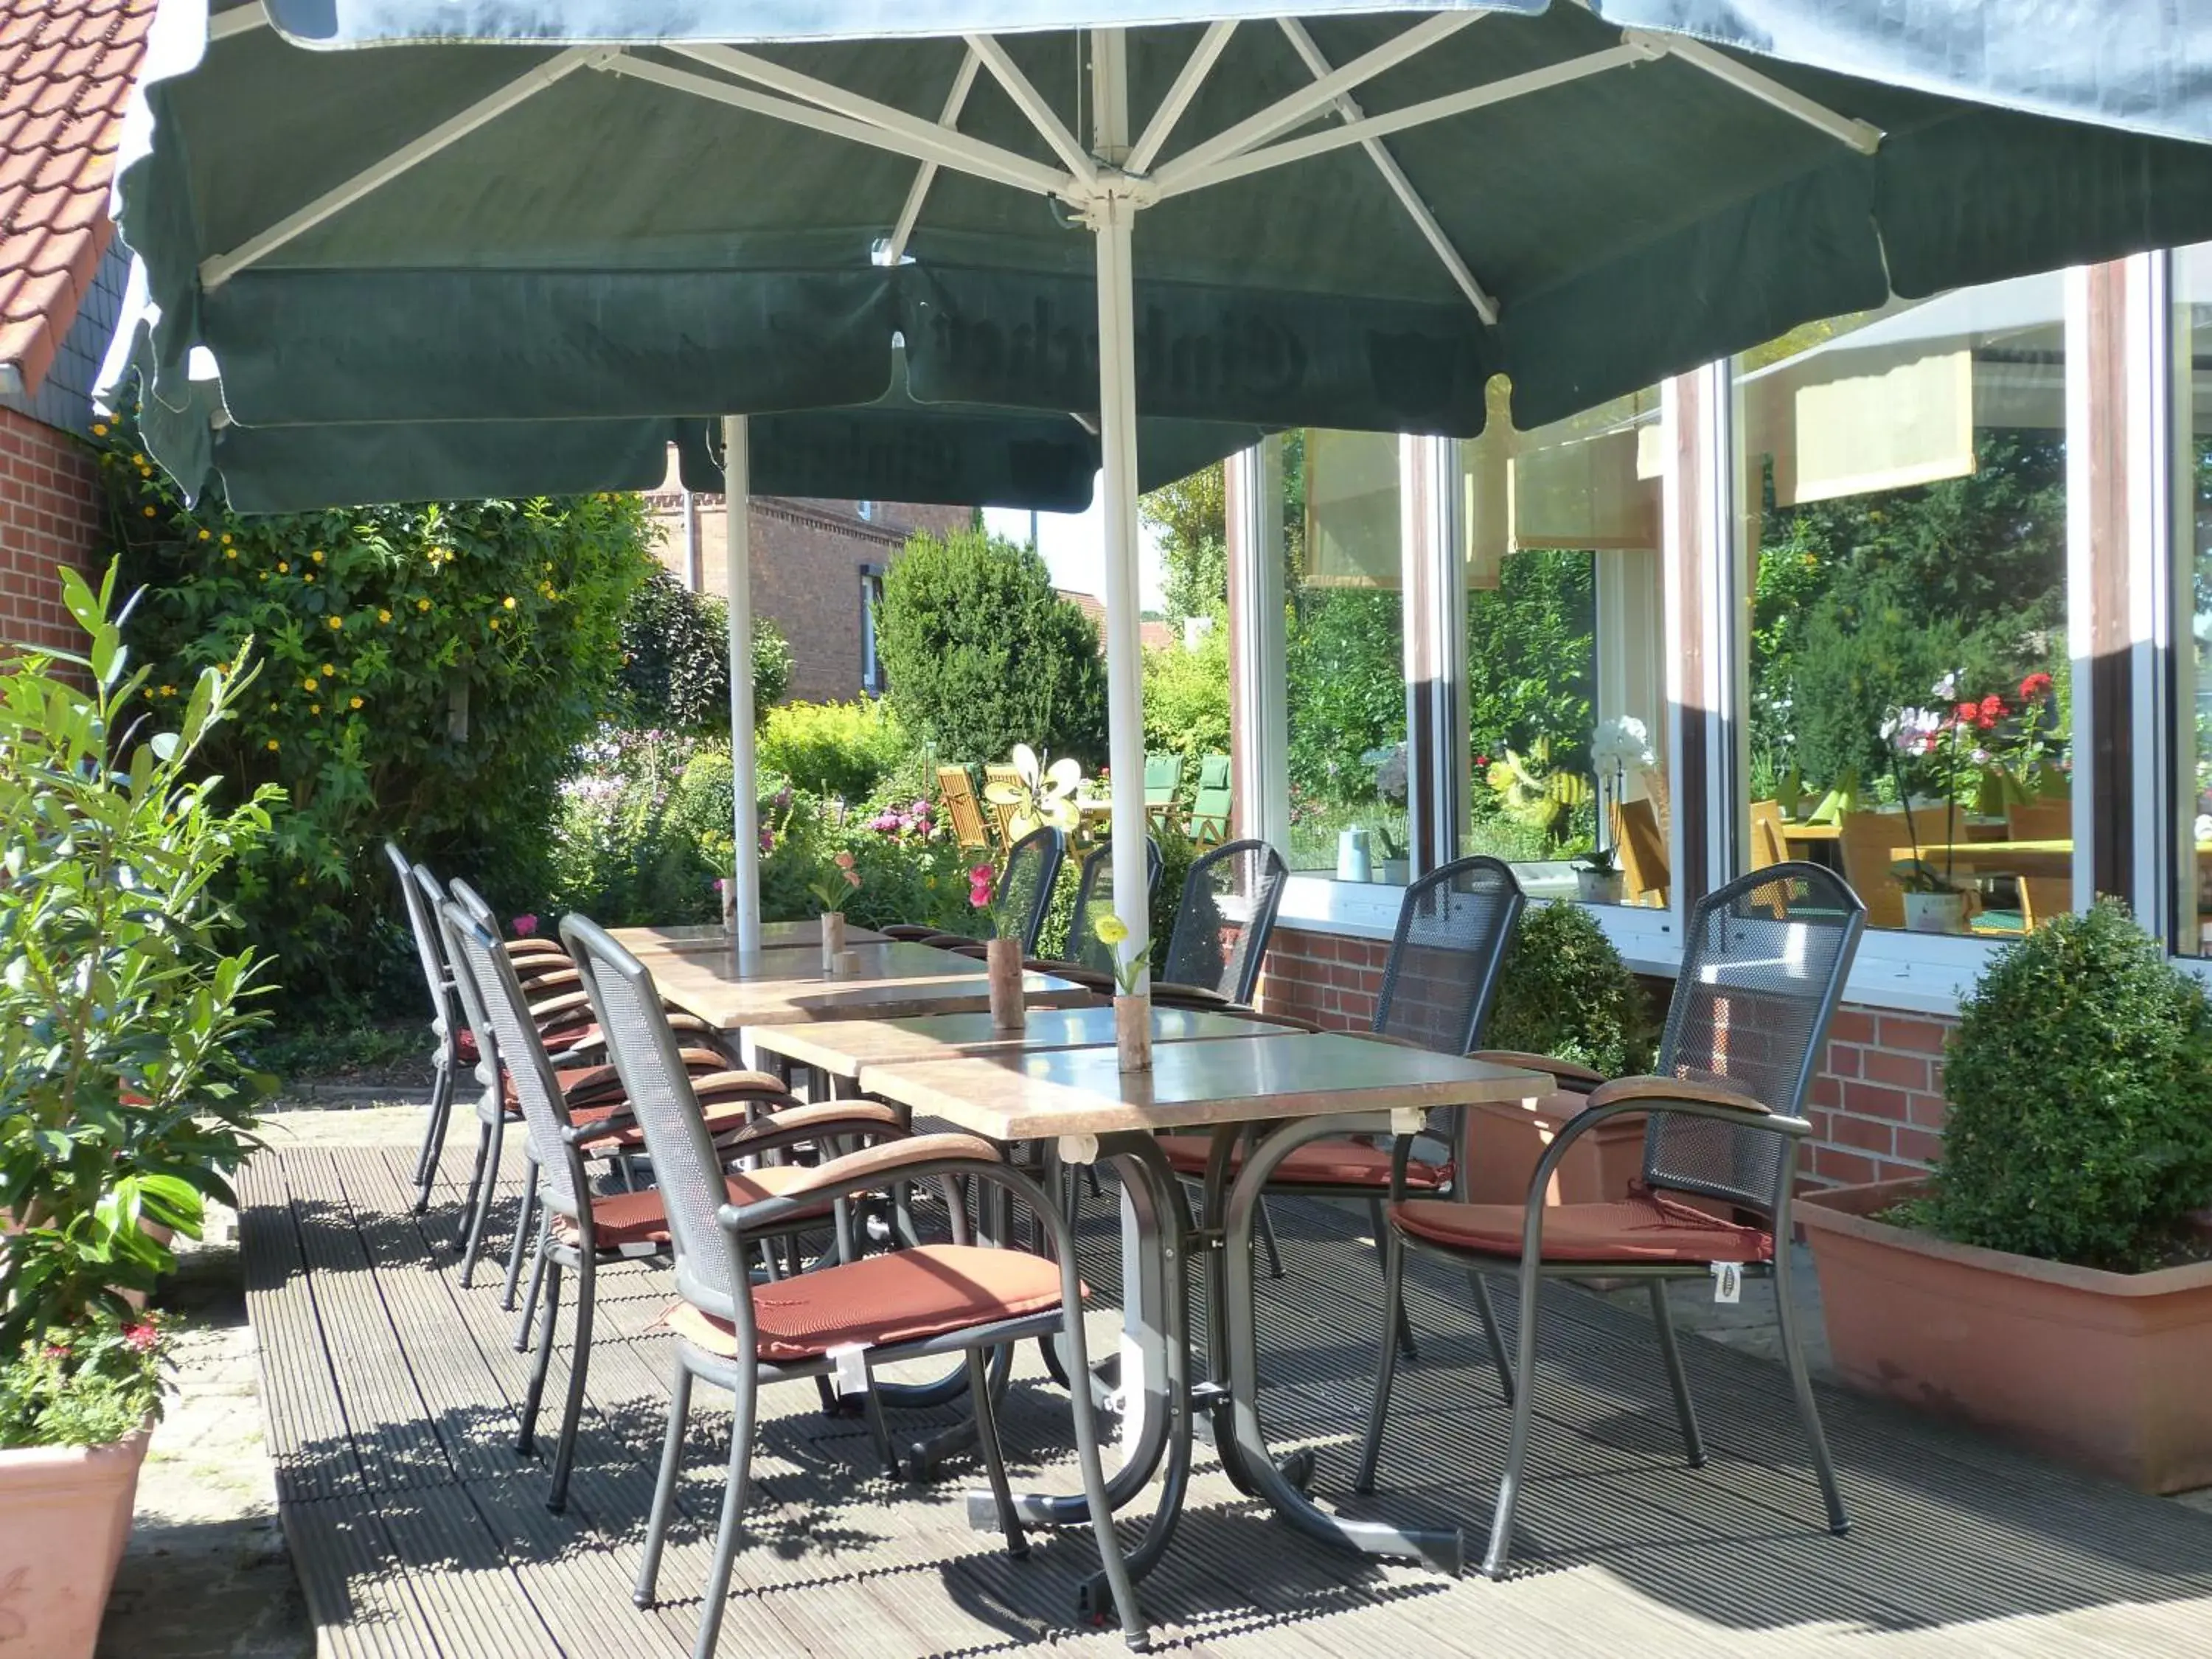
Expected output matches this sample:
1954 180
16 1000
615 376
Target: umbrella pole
745 790
1112 221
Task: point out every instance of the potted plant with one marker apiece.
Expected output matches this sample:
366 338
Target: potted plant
1132 1010
834 878
1002 950
122 1102
1563 993
1597 876
2048 1281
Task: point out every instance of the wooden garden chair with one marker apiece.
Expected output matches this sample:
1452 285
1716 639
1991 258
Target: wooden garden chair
1162 778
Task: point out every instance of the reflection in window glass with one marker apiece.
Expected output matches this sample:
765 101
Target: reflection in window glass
2192 660
1901 482
1566 671
1346 657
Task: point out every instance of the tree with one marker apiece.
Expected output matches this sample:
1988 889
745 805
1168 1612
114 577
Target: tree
1190 516
1187 697
676 660
1532 658
981 653
428 673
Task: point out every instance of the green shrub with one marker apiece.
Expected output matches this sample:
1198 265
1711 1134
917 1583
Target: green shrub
675 672
1564 991
2081 1084
645 830
123 1097
428 674
982 654
846 749
1187 700
1347 676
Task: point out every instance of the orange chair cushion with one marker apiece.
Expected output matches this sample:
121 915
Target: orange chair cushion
639 1217
880 1301
1641 1228
1317 1163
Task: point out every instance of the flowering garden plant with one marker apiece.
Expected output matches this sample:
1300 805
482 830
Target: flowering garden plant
124 1103
1990 750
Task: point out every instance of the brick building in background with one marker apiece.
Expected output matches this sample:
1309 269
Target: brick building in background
818 568
65 70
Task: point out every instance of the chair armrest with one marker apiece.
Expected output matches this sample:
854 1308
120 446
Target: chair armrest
1580 1079
717 1087
864 1171
1193 995
1073 972
796 1125
558 1009
1661 1093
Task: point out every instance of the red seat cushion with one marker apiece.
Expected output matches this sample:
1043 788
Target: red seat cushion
721 1118
1317 1163
639 1217
1641 1228
880 1301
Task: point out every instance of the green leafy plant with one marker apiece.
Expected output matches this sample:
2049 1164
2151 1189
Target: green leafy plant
428 673
982 654
2081 1086
1187 697
847 750
675 674
86 1386
124 1102
1564 991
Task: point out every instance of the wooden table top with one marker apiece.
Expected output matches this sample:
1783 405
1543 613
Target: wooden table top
844 1047
1793 831
788 987
644 942
1030 1096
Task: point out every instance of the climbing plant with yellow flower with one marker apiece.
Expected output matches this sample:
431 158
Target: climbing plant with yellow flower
432 671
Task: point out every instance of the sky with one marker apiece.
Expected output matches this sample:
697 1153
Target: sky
1074 545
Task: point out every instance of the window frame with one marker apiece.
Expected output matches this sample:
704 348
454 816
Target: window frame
873 682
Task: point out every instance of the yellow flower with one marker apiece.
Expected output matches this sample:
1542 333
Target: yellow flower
384 616
307 576
225 541
284 567
422 605
207 535
264 575
494 624
507 604
230 553
272 745
138 460
1110 928
309 684
314 708
355 703
168 690
150 512
336 621
99 428
317 556
328 670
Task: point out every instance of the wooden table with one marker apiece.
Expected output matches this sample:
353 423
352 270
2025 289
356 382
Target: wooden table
841 1047
1811 832
646 943
1307 1084
787 987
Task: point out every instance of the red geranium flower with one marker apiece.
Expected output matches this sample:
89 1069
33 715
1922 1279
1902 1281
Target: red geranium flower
141 1337
1969 712
2034 686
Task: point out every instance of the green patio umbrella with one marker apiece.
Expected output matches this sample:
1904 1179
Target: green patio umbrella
613 209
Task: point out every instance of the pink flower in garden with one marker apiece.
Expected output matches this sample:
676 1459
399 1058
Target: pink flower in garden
843 860
524 926
767 841
140 1336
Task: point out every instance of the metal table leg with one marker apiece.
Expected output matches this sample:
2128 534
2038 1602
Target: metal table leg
1443 1551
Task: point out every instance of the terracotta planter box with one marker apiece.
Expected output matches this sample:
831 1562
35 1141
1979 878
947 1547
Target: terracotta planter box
2100 1370
64 1518
1506 1140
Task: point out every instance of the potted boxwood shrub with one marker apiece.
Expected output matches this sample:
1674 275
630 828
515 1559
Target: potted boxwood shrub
121 1101
2048 1281
1563 993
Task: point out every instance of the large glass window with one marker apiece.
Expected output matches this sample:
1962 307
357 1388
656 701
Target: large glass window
2192 543
1346 657
1566 694
1901 493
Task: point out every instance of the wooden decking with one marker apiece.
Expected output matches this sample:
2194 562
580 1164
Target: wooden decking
390 1392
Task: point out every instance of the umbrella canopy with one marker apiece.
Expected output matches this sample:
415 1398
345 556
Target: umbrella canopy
608 209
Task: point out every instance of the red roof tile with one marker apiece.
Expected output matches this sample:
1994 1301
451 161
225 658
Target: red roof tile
65 74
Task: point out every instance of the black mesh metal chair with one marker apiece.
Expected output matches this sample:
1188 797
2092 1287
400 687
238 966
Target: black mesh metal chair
929 1300
587 1231
1088 962
1763 967
1224 921
1024 890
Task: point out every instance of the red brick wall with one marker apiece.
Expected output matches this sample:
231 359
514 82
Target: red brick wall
1877 1105
806 560
49 514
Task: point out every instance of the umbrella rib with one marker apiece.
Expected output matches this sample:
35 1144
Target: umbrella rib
1176 179
1862 135
1288 111
219 269
1031 103
901 233
917 140
1188 79
1423 219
